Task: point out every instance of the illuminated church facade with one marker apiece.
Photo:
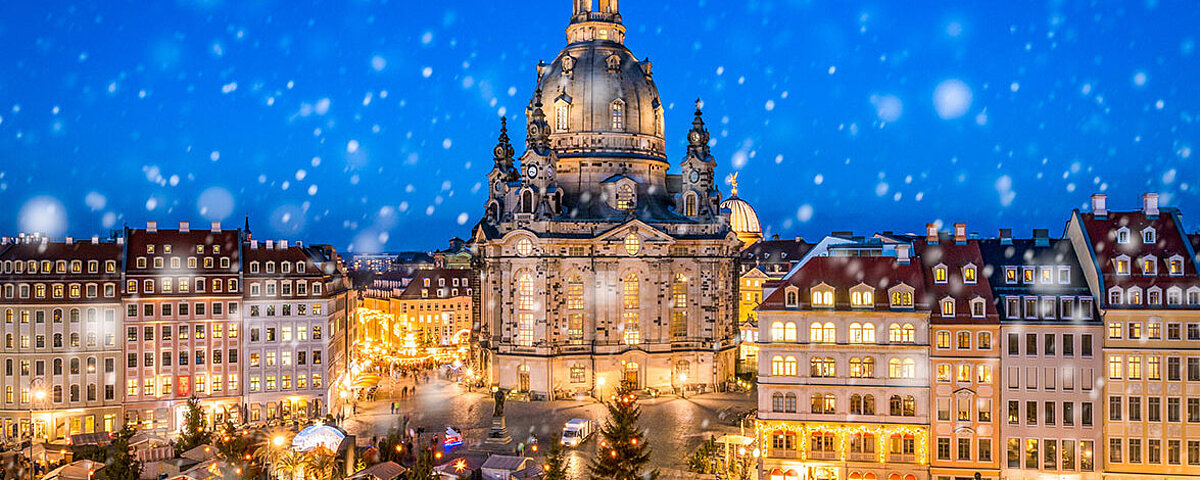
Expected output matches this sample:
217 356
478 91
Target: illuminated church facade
598 268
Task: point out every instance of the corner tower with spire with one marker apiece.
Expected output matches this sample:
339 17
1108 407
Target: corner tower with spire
586 231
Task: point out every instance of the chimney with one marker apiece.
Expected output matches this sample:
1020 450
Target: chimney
931 233
185 227
1041 237
1150 204
151 226
45 240
960 233
902 254
254 244
1006 236
283 244
270 244
120 240
95 239
70 240
1099 205
216 227
299 243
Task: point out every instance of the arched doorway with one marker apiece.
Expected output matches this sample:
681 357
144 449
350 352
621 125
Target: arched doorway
630 380
523 378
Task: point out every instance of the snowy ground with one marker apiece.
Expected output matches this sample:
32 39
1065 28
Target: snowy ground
674 426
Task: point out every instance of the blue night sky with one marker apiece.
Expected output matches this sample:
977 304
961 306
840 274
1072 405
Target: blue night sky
369 124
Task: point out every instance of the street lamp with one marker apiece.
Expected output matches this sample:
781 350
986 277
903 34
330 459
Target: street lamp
682 385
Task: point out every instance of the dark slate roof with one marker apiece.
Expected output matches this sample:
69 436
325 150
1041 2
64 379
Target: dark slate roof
413 290
773 251
1026 252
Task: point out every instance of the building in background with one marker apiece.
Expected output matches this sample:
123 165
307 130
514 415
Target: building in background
374 262
843 370
1050 334
437 305
1141 266
599 269
965 356
288 312
183 324
764 261
457 256
63 348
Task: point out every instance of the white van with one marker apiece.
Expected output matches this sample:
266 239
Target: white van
576 431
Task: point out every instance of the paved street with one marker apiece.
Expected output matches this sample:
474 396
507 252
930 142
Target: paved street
675 426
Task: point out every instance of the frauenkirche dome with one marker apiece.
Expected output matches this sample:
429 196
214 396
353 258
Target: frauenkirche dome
599 99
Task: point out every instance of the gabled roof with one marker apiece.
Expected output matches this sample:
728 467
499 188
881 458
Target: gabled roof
769 251
505 462
955 256
1170 240
845 273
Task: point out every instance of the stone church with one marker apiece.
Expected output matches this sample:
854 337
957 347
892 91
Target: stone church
598 268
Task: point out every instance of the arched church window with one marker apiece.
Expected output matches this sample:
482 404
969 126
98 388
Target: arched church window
689 204
527 201
631 304
618 114
632 244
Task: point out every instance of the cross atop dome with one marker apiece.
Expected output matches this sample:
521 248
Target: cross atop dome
602 24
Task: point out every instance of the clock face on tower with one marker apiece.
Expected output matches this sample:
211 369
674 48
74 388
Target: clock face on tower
695 176
532 171
694 137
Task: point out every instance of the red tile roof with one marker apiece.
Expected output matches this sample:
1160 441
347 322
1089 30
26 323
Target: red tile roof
956 256
1170 240
413 290
843 273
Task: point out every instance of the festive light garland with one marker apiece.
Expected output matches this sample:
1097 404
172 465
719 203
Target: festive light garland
845 433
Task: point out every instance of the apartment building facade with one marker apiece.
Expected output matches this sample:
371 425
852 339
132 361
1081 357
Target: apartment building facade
183 324
61 306
844 371
1141 266
1050 338
287 318
964 356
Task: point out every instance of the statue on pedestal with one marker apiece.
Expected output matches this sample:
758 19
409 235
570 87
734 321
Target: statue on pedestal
498 395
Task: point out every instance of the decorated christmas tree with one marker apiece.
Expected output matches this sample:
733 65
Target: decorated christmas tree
623 450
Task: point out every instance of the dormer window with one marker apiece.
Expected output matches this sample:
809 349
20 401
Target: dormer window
1122 265
1123 235
1154 296
1175 266
1064 275
969 274
791 297
1134 296
1027 274
1047 274
1010 275
1116 296
626 198
862 297
901 296
947 307
1148 236
1174 296
939 274
822 296
1149 264
977 307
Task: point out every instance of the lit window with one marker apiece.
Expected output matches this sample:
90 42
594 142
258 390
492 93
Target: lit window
948 307
631 304
1122 266
625 197
1149 266
969 274
1175 266
939 274
862 298
524 247
822 298
561 118
1010 274
632 244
